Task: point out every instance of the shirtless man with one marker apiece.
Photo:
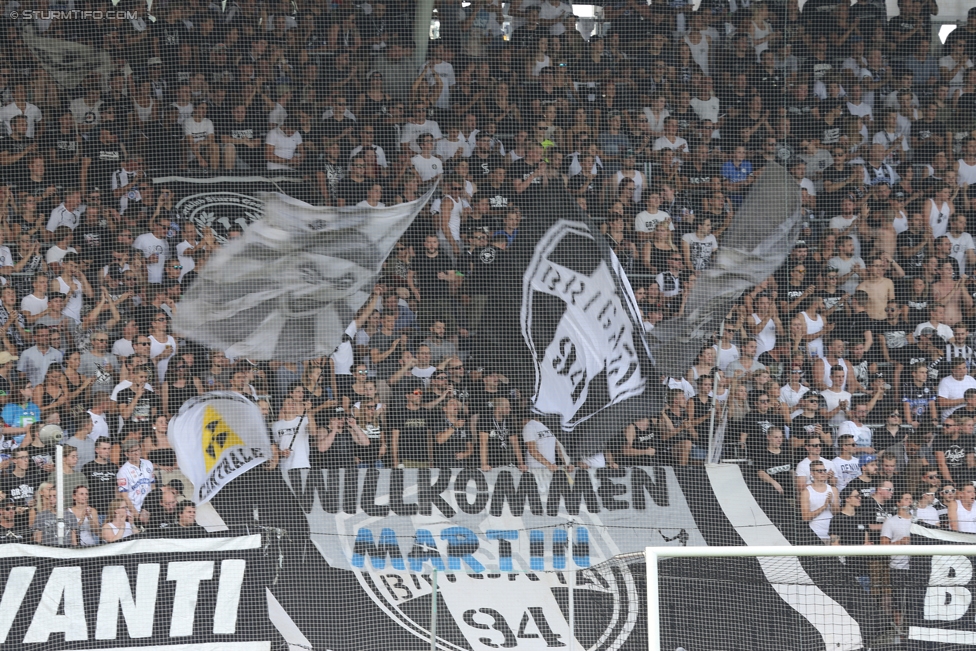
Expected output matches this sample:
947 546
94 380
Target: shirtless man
879 288
951 293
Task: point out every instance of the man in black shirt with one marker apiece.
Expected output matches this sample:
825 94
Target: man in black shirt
352 188
484 161
774 481
241 137
15 150
913 245
410 426
64 147
12 531
102 477
435 278
104 154
529 177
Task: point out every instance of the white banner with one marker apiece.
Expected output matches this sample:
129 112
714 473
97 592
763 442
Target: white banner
69 63
217 437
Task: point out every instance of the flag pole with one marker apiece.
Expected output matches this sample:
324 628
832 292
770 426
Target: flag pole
711 423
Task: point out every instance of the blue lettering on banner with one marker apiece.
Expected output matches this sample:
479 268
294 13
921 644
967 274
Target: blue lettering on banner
462 543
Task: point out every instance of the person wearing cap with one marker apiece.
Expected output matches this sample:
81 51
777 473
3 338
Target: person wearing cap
135 479
867 481
12 528
845 463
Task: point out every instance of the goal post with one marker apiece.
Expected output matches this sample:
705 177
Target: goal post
655 604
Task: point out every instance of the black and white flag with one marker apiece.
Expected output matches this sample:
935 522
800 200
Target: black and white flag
568 329
291 285
68 62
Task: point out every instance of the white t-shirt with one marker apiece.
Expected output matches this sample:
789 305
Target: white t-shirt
861 433
960 245
198 130
284 146
894 529
99 426
151 245
31 113
186 261
75 300
61 216
679 144
446 149
559 10
410 131
156 347
136 482
445 71
56 254
953 389
803 467
427 168
288 434
701 249
545 442
645 222
847 471
949 63
33 305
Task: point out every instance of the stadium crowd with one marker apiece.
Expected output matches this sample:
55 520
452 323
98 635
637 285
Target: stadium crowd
843 383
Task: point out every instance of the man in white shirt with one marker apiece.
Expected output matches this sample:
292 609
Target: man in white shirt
952 388
283 147
556 14
85 109
845 463
427 165
415 126
647 220
68 213
856 429
20 106
963 247
813 446
440 66
671 140
155 249
200 140
543 447
454 145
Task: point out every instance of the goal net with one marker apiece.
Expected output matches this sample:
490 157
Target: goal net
836 597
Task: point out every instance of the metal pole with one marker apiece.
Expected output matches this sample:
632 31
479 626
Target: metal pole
653 603
711 422
433 613
59 469
422 18
570 577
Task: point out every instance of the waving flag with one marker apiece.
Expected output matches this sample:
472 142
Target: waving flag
68 62
217 437
291 285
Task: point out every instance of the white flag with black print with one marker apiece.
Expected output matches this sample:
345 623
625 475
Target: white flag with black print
68 62
217 437
291 285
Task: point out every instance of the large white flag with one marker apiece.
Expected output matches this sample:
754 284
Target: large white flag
288 289
217 437
68 62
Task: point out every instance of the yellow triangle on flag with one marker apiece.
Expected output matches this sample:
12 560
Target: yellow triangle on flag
217 436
